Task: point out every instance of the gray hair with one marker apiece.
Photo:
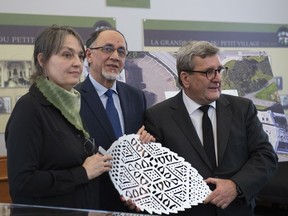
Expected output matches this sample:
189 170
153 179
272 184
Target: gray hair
189 50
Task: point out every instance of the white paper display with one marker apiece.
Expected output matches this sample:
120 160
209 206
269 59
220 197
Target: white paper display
155 178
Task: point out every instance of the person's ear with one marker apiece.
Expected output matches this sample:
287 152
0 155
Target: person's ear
184 77
40 59
88 56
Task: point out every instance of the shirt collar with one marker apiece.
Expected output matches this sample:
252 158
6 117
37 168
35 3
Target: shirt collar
192 105
100 88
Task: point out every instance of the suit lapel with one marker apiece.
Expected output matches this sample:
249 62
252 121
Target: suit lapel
224 118
185 124
93 101
124 96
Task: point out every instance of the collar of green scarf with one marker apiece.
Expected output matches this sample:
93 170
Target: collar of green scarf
68 102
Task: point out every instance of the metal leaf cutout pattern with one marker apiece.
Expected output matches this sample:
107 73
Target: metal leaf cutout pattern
156 179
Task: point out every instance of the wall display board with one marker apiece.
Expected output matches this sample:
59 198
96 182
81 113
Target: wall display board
272 39
17 35
153 72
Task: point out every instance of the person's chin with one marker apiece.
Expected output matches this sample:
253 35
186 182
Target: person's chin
75 80
215 95
111 76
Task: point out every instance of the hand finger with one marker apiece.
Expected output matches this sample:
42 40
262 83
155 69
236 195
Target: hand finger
145 137
131 207
140 130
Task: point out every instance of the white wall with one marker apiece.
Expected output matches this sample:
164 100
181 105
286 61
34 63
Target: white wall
129 20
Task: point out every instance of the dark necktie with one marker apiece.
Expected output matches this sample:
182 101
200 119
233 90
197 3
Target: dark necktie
113 114
208 139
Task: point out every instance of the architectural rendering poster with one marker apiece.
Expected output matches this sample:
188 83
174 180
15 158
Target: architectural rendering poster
272 39
153 72
17 35
249 75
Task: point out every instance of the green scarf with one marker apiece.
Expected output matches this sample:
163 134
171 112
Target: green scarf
68 102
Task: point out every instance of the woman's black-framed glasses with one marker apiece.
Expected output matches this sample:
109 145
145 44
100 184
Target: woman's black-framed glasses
210 73
89 146
109 49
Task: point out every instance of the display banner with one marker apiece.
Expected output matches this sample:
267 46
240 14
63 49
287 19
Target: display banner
17 36
160 33
22 29
270 39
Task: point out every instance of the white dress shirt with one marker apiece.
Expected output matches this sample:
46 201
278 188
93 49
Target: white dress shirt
196 118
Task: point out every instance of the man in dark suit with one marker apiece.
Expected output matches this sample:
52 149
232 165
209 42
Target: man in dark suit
106 53
243 158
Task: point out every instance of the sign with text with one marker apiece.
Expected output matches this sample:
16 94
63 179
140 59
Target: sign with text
23 28
175 33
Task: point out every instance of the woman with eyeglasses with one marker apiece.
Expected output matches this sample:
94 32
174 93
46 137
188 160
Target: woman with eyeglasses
51 160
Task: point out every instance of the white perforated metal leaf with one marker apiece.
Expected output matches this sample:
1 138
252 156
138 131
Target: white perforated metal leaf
155 178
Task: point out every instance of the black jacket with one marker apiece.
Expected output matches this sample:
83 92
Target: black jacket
45 156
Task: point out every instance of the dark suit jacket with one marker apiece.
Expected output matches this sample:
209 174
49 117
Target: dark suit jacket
244 152
133 104
45 156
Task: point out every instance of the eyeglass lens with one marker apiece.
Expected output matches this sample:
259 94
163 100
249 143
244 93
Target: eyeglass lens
211 74
110 49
